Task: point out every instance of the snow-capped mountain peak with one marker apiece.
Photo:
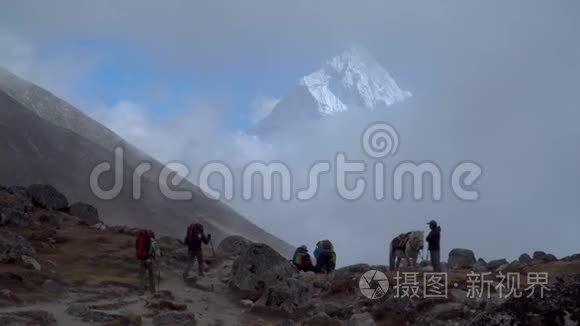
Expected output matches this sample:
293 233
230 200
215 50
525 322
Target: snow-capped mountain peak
352 79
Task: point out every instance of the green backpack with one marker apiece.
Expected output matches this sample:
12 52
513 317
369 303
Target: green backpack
154 251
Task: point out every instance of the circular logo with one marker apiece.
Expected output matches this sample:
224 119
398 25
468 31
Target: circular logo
380 140
373 284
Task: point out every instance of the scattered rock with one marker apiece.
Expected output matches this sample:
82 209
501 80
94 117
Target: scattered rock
399 306
9 298
461 259
384 268
125 230
17 198
46 235
572 257
308 276
479 266
353 269
31 263
204 286
258 268
53 218
288 295
100 226
234 245
52 286
331 309
9 216
552 307
364 319
322 319
286 322
19 191
174 319
46 196
446 311
495 264
525 259
160 304
83 311
27 318
247 303
87 213
321 284
14 246
126 321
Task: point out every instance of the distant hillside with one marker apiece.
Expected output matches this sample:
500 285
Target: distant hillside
43 139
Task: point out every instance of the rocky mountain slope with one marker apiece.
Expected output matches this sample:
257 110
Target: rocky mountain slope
57 269
43 139
353 80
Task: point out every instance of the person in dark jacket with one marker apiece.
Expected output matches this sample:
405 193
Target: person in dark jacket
434 239
193 239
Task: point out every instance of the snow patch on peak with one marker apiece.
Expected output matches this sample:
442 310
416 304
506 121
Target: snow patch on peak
318 85
350 80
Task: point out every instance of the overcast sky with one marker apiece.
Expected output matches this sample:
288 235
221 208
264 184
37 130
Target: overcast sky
493 81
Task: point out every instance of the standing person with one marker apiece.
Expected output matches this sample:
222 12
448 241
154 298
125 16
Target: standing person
193 239
301 259
434 239
325 257
144 249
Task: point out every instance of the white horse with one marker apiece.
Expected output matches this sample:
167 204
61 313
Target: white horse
407 246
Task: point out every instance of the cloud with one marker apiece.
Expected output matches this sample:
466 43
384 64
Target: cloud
58 73
263 106
494 81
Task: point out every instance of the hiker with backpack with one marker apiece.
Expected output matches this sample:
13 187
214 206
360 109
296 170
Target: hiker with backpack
325 257
147 250
301 259
193 240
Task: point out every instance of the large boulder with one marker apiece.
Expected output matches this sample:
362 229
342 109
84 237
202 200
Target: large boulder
14 246
461 259
87 213
46 196
234 245
544 257
258 268
525 259
288 295
539 255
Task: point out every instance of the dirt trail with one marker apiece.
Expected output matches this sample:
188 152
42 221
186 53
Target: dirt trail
207 298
